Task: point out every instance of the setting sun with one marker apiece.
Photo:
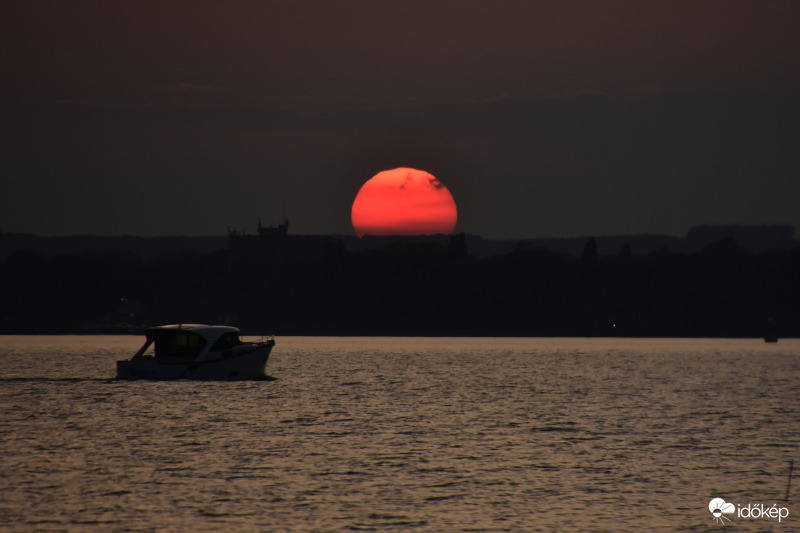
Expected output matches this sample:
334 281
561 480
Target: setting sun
403 201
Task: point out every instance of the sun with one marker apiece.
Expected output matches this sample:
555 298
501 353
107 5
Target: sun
403 201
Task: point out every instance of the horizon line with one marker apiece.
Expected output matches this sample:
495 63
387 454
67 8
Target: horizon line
776 226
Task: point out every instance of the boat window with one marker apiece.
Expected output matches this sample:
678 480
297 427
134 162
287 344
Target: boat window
181 344
143 350
229 340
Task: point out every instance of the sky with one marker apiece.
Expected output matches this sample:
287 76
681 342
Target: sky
562 118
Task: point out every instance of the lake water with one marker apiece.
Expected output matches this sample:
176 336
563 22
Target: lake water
404 434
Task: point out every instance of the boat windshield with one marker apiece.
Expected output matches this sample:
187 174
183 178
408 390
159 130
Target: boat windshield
177 344
227 341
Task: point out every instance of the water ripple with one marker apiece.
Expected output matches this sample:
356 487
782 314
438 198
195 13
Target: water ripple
400 435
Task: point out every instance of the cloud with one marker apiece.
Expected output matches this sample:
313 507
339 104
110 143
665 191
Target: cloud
718 506
192 88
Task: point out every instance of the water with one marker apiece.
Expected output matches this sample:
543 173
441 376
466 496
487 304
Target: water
403 434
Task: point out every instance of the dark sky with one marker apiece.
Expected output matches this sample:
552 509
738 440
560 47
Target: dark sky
543 118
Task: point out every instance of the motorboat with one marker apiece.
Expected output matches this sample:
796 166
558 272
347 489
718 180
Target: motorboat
197 351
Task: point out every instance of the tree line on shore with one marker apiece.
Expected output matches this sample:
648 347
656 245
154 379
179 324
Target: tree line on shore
409 288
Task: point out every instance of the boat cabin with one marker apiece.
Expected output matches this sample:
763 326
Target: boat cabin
186 342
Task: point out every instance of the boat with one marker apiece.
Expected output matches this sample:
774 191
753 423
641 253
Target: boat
197 351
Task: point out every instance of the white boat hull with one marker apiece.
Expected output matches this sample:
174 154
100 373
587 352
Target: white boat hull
248 363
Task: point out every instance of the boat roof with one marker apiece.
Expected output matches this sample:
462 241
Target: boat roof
209 332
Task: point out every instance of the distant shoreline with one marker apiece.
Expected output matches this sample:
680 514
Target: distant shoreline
753 238
451 286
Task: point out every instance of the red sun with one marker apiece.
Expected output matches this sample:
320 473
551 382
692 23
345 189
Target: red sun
403 201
